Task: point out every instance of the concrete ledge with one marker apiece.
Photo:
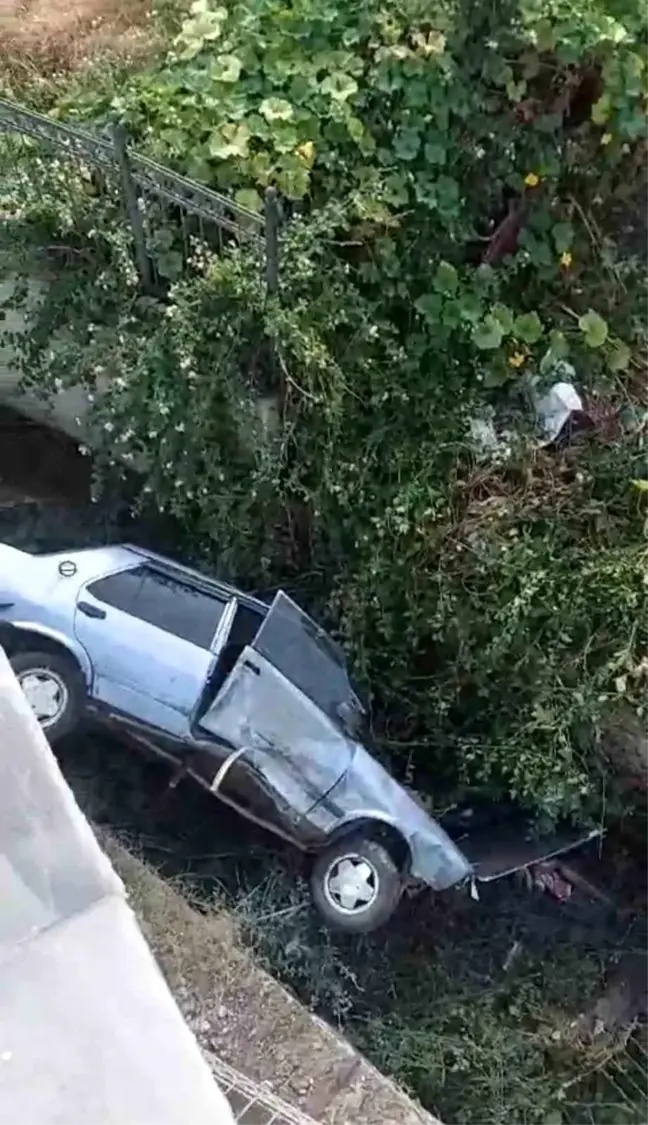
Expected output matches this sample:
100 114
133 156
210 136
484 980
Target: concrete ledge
89 1032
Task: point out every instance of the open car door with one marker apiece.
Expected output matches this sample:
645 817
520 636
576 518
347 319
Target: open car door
289 705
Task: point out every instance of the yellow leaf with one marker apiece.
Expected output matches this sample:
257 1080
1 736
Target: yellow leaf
531 179
307 153
641 485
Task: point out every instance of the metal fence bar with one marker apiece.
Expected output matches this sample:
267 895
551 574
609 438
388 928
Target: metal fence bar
120 139
192 197
72 141
139 173
272 239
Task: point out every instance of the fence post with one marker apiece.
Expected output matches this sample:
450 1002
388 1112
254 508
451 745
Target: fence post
271 240
120 141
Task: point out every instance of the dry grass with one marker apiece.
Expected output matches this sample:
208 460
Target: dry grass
50 36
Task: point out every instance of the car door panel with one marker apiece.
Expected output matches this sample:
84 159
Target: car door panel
292 748
140 669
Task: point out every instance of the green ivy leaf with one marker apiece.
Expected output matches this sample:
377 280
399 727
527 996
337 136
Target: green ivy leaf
276 109
619 357
229 140
540 250
528 327
594 329
407 143
558 343
545 35
169 264
632 123
339 86
504 316
435 153
488 335
516 90
285 136
356 128
601 110
446 279
293 180
498 373
563 236
471 308
226 68
429 306
556 353
447 195
249 199
258 126
196 33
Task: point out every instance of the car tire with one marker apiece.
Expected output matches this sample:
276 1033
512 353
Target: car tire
371 875
55 688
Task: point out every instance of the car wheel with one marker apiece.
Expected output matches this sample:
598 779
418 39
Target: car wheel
53 686
356 885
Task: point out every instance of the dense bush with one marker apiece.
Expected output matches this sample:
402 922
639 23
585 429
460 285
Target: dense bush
466 185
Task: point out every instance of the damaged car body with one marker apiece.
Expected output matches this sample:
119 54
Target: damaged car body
252 700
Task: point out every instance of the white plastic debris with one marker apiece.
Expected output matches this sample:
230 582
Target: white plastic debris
556 408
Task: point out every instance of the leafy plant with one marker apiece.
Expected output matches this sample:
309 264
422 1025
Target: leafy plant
459 233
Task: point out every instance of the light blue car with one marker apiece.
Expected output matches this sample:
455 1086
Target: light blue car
253 700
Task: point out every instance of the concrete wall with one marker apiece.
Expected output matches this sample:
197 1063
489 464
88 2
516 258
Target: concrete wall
66 406
69 409
89 1032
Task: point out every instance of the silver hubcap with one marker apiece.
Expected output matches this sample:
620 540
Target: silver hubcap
46 694
351 884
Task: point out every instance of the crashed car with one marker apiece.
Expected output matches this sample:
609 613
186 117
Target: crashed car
252 700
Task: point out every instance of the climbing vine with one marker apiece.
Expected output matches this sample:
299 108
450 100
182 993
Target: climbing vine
463 192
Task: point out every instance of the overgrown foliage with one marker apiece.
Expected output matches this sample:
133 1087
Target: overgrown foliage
464 185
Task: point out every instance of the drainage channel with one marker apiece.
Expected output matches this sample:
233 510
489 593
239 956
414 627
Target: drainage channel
45 504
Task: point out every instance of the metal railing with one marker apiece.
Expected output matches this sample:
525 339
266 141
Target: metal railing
140 178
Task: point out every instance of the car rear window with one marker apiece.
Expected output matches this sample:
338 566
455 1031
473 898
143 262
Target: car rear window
164 601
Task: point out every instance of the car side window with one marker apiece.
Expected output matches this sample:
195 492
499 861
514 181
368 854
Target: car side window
177 607
118 590
164 601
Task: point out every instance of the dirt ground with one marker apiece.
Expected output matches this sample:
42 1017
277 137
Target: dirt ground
241 1015
59 37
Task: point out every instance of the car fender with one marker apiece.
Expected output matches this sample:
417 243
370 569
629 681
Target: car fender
355 820
430 859
73 647
368 792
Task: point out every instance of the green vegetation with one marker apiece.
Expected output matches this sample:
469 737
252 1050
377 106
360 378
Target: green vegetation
471 187
464 186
